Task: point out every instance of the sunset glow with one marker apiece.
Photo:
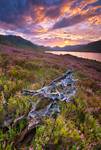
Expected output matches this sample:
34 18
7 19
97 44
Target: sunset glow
52 22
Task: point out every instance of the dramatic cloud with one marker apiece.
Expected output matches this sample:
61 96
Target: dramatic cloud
52 22
78 15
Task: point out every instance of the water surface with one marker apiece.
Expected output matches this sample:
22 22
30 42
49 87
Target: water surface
88 55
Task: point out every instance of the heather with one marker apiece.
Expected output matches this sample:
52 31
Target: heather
78 126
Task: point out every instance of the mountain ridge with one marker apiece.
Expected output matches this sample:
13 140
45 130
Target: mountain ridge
18 42
90 47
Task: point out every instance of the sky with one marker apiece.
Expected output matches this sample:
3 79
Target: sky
52 22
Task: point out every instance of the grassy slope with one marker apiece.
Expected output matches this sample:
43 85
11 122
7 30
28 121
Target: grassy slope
19 43
79 124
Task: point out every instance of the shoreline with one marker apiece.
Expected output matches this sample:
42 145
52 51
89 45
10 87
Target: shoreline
88 67
76 54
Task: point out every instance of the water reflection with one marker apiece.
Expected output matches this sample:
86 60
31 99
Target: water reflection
88 55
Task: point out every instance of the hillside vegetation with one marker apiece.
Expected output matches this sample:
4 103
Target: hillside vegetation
78 127
19 42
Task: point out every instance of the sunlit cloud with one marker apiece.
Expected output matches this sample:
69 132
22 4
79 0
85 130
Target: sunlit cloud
52 22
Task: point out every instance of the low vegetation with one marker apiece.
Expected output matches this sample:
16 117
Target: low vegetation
78 127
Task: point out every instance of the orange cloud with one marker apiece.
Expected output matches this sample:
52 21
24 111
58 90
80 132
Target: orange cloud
39 13
66 6
86 2
59 42
41 30
95 20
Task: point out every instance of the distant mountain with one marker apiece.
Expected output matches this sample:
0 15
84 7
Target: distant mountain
94 46
19 42
90 47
